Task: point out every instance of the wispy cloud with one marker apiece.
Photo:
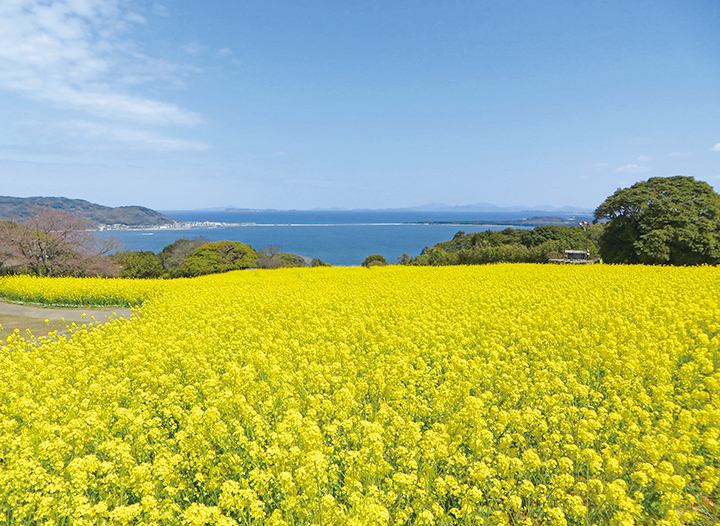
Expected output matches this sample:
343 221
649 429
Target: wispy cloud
632 168
716 148
193 48
160 10
644 158
74 54
112 135
227 53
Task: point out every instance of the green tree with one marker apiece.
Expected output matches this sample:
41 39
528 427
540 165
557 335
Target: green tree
291 260
270 257
174 255
138 264
508 245
374 260
317 262
220 256
672 220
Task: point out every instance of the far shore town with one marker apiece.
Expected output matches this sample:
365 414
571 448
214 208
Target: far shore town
177 225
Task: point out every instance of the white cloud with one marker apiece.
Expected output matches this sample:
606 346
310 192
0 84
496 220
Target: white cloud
716 148
73 54
644 158
632 168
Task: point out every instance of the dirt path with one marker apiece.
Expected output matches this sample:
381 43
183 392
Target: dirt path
75 314
24 317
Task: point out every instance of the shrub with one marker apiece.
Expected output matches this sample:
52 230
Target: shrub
175 254
140 264
220 256
374 260
319 263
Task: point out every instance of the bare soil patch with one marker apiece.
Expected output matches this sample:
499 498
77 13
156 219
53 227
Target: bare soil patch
23 317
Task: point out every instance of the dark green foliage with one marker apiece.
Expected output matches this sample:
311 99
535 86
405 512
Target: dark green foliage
195 257
673 220
291 260
281 260
173 256
220 256
509 245
374 260
319 263
142 264
271 257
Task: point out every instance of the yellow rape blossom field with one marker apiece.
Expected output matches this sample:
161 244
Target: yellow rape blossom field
86 292
504 394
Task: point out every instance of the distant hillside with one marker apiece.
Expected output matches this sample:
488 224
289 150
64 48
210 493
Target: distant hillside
21 208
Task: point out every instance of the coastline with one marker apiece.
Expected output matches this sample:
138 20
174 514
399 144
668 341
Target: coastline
177 225
190 225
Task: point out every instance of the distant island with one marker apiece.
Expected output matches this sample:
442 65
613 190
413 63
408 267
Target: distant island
430 207
529 221
21 208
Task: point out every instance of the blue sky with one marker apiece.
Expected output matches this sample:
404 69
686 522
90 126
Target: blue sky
180 104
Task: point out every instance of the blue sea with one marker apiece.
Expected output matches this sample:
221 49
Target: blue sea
341 238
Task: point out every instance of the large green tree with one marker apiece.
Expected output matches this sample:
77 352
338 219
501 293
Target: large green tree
661 221
175 254
220 256
141 264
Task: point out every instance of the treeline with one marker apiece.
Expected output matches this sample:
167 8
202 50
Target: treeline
199 256
510 245
661 221
54 243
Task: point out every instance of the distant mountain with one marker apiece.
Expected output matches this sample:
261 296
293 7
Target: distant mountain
487 207
21 208
430 207
527 222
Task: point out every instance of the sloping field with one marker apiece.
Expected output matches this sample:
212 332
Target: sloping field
504 394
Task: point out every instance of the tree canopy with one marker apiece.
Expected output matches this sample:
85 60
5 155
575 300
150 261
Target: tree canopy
142 264
220 256
508 245
664 220
374 260
271 257
174 255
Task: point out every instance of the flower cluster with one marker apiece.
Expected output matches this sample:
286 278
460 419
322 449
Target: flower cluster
504 394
